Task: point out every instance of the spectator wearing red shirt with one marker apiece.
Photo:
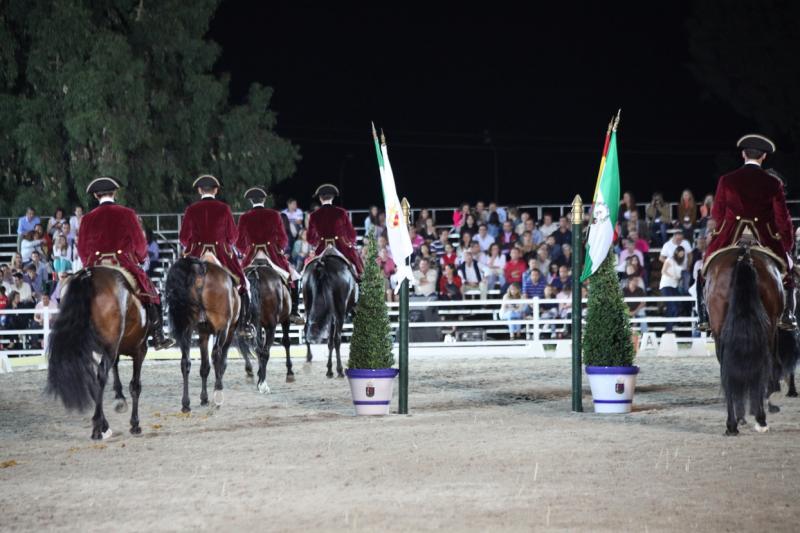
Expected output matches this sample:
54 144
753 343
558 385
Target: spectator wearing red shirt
3 297
450 257
514 268
450 285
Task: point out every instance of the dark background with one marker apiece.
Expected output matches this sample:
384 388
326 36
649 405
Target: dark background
459 90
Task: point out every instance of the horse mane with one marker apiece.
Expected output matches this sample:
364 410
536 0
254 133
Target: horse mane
184 307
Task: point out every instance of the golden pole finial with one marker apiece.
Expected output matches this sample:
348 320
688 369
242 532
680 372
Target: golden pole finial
577 210
616 120
406 210
374 133
383 137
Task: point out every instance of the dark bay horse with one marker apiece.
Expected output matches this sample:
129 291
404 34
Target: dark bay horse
329 293
99 320
744 295
270 304
202 296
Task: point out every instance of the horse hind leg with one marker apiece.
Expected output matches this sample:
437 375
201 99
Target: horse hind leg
223 342
329 374
338 344
205 368
264 345
731 424
186 365
135 390
120 404
100 428
287 346
792 393
757 407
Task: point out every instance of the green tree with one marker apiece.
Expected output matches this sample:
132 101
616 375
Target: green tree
371 343
607 337
124 87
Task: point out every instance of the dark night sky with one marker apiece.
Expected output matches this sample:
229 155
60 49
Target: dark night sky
542 83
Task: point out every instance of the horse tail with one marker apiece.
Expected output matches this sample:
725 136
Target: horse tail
72 369
744 339
184 306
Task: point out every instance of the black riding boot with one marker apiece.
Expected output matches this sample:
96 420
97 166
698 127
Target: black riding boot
702 312
294 316
788 320
245 327
155 317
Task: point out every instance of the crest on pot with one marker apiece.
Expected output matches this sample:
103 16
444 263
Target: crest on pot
370 389
619 388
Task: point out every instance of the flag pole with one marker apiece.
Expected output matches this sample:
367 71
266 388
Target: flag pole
403 333
577 386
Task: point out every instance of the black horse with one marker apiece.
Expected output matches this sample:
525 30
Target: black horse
329 293
270 304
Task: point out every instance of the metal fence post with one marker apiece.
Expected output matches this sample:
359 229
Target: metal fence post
577 386
403 333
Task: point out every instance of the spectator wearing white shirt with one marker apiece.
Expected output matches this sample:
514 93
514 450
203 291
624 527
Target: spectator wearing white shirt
548 227
293 213
471 275
495 264
425 279
483 238
75 220
24 289
669 247
45 303
628 251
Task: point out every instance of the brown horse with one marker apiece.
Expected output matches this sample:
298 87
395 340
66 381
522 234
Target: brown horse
202 296
744 295
270 304
99 320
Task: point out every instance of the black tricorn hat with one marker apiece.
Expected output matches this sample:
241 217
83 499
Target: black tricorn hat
327 189
104 184
206 181
256 194
753 141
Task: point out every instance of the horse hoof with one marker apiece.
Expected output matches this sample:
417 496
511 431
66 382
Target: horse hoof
186 409
729 433
249 374
329 375
742 422
263 388
203 403
774 409
791 394
107 434
219 398
340 376
761 429
121 406
136 430
290 378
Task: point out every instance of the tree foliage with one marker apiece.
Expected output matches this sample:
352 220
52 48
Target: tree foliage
125 88
371 344
607 338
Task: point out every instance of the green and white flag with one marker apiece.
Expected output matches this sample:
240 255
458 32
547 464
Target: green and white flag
396 228
604 210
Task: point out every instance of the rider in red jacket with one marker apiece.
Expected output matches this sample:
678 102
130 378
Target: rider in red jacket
111 233
331 225
751 197
208 226
261 230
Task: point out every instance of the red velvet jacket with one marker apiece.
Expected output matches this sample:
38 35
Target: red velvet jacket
332 223
209 223
114 230
751 193
262 227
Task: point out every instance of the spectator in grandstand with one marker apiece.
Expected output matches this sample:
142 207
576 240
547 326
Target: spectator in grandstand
563 234
481 213
511 310
471 276
687 228
66 231
63 277
293 213
563 278
58 218
313 207
519 224
628 250
515 267
416 240
26 224
28 245
425 253
512 214
153 252
507 239
6 279
425 278
422 219
380 227
437 246
372 219
543 258
43 272
483 238
564 298
658 218
526 246
450 284
493 225
45 303
565 258
502 214
633 268
22 288
533 283
687 207
300 250
75 220
548 227
669 247
470 225
3 300
494 264
633 289
450 257
671 278
460 216
639 243
388 268
464 244
16 321
16 263
536 234
633 224
429 232
697 256
64 251
627 206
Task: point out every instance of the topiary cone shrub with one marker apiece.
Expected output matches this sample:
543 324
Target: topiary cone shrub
371 343
607 337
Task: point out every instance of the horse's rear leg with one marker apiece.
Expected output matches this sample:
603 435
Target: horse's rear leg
205 368
757 406
731 424
308 352
792 393
338 344
264 345
136 389
329 374
100 429
120 404
186 365
221 345
287 346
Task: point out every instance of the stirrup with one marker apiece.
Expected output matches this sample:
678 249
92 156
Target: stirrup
296 319
163 344
787 325
703 326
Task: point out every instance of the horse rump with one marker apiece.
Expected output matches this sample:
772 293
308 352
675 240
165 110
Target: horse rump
72 368
746 362
184 306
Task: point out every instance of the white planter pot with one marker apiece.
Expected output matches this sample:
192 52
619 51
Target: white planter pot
612 387
371 389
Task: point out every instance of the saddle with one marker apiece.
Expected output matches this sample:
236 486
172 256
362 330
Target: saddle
748 237
210 257
331 251
262 259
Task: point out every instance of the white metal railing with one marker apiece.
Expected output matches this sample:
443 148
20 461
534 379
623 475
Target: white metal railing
452 315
